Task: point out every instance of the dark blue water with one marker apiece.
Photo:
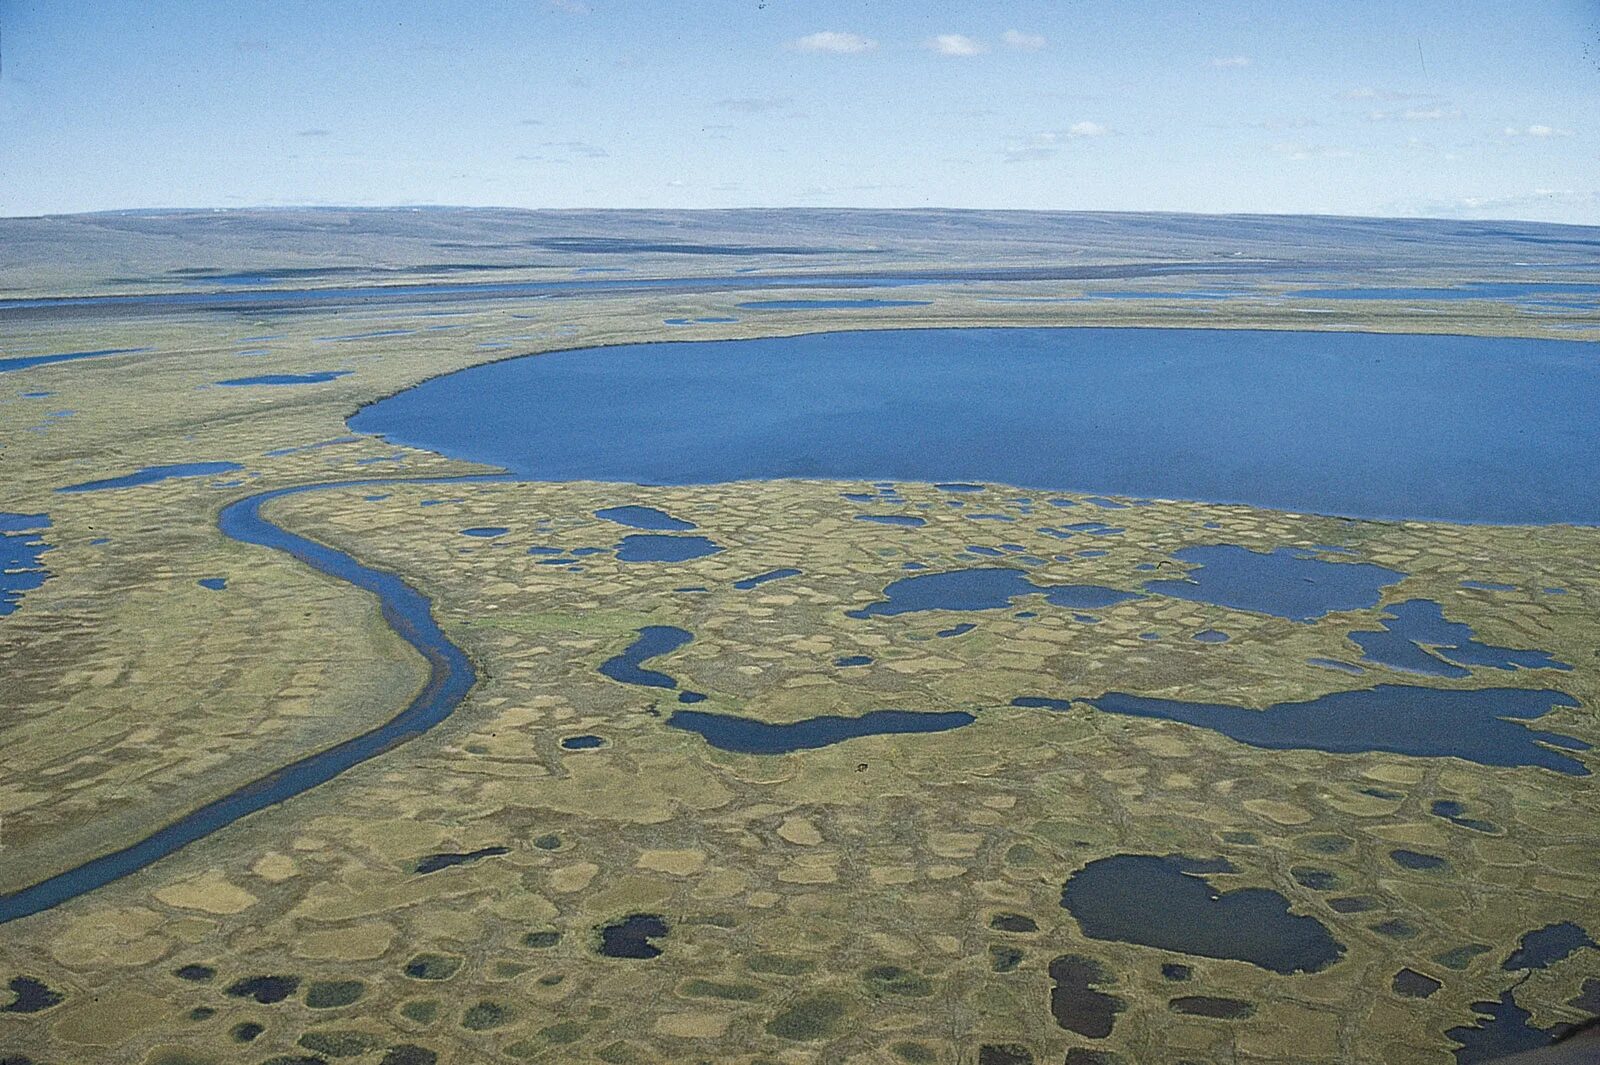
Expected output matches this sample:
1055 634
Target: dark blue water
1455 813
1469 290
1544 947
154 475
762 578
637 517
853 660
450 676
289 298
1164 902
908 520
1428 427
316 378
582 743
652 547
653 641
1417 638
956 630
984 588
729 732
1480 725
485 532
1503 1028
215 584
803 305
21 547
1288 582
7 365
1488 586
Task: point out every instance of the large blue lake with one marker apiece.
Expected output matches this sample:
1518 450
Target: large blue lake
1365 425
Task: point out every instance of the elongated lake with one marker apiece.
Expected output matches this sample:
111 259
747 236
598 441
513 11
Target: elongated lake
1365 425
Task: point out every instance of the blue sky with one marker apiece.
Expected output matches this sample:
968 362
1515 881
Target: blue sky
1464 109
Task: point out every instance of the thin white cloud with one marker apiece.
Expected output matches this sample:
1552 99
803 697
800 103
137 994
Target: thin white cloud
317 132
571 7
957 44
833 41
1367 92
1415 114
753 105
1297 150
1023 42
583 148
1048 143
1231 61
1538 131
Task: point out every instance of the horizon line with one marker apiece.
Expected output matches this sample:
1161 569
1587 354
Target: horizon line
420 207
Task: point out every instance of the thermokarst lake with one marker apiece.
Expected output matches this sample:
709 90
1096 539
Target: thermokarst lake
1118 677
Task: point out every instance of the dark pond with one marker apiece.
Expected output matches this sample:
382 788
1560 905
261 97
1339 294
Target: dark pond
1417 638
909 520
638 517
805 305
729 732
316 378
853 660
1164 902
1503 1028
660 547
155 474
1451 428
485 531
1288 582
447 859
653 641
22 363
956 630
631 937
1409 983
30 996
215 584
1481 725
1455 813
1409 859
1076 1003
1214 1006
1548 945
762 578
984 588
21 548
582 743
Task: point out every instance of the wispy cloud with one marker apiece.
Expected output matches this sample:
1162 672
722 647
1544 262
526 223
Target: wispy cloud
1297 150
833 41
1023 42
1538 131
1366 92
1048 143
1231 61
1415 114
315 132
753 105
583 148
957 44
571 7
